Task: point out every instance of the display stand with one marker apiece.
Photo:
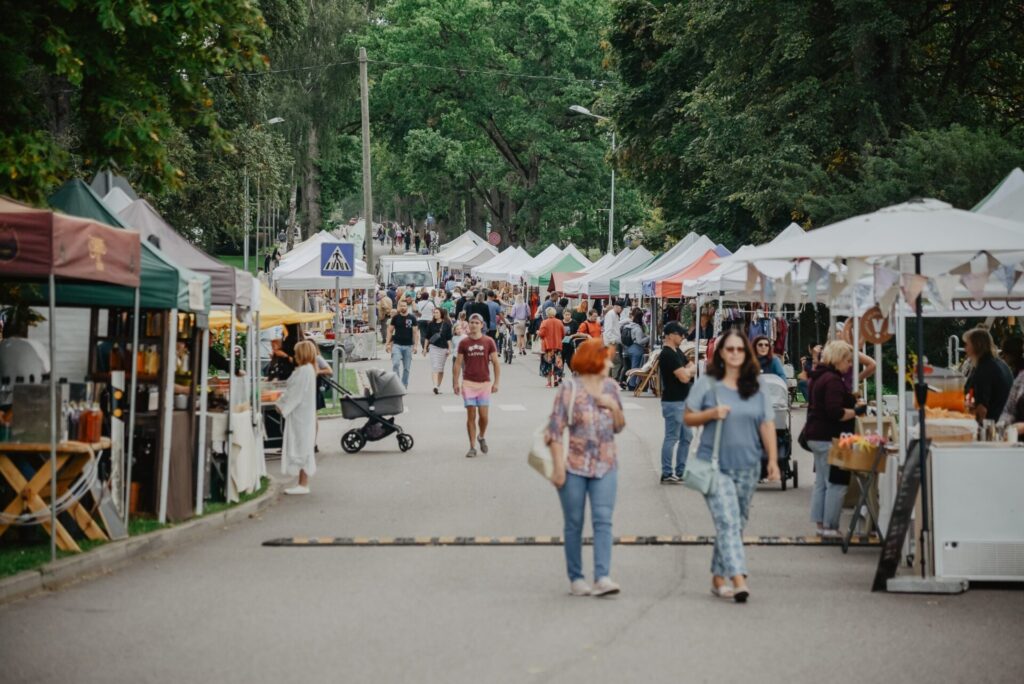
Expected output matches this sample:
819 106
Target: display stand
866 482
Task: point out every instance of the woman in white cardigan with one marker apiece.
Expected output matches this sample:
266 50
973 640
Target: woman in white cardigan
298 406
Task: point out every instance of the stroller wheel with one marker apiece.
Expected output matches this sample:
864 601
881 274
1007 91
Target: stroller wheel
796 479
783 480
352 441
405 441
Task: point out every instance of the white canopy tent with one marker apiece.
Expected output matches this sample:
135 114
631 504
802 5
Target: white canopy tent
550 257
546 255
598 283
633 284
310 245
476 255
501 267
663 268
306 276
731 279
1007 199
468 237
117 199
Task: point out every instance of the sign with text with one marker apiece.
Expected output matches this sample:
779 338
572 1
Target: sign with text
337 259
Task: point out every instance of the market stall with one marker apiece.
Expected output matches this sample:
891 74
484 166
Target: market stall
678 257
538 272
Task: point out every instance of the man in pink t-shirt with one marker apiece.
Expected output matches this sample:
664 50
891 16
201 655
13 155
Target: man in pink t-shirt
475 353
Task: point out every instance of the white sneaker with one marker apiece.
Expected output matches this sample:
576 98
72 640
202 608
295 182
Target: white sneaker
579 588
831 534
297 490
605 587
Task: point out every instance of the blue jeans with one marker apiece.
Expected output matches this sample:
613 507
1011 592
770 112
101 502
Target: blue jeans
573 496
826 497
730 509
677 438
635 354
401 361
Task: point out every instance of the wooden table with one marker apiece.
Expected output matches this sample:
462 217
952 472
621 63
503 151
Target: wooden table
33 494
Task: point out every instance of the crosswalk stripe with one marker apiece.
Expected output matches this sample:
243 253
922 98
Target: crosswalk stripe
629 540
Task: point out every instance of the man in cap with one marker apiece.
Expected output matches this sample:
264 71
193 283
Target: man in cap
474 358
677 373
613 337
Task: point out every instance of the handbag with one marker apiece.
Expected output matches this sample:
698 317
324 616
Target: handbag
540 457
699 475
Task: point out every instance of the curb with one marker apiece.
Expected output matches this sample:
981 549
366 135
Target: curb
115 555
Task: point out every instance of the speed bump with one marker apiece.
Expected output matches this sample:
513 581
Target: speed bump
628 540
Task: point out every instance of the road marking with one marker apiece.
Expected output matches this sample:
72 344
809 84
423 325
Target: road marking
630 540
511 407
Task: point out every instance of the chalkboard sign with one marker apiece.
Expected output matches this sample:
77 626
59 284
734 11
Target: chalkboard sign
899 523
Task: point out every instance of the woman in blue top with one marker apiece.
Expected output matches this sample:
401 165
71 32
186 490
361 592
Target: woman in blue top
729 393
768 362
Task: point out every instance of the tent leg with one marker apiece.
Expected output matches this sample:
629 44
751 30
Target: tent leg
131 413
204 372
53 419
337 335
168 413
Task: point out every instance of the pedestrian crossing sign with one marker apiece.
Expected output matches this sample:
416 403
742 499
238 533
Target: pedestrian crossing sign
337 259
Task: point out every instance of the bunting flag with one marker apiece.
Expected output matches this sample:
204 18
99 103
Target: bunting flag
943 287
888 298
815 274
855 268
836 285
982 262
782 290
767 288
913 285
752 277
1008 275
885 280
975 284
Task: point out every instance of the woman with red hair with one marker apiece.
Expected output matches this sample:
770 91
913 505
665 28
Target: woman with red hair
589 406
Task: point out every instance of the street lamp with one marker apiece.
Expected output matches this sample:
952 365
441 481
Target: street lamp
245 213
578 109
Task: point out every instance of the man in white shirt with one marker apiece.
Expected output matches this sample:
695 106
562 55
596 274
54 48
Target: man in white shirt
613 337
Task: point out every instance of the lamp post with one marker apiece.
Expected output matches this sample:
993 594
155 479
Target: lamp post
577 109
245 212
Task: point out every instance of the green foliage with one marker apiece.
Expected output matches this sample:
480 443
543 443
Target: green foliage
738 118
93 84
482 144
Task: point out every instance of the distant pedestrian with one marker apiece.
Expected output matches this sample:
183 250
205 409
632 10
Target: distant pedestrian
551 334
613 338
520 319
424 314
634 344
676 373
418 240
439 340
476 356
590 407
728 400
408 239
493 309
403 339
298 406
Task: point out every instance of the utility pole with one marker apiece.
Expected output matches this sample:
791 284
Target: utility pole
611 209
364 98
245 223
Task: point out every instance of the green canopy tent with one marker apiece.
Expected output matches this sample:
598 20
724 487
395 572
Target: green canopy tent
165 285
568 262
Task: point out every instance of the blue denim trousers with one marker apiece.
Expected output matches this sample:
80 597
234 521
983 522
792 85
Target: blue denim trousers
634 354
730 509
677 438
401 361
573 495
826 497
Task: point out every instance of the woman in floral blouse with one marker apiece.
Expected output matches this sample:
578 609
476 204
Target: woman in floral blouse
590 467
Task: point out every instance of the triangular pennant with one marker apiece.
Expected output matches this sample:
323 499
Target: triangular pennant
991 263
752 277
962 269
975 284
836 285
943 287
885 279
913 285
855 268
1008 276
888 298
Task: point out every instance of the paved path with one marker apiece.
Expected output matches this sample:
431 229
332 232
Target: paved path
228 609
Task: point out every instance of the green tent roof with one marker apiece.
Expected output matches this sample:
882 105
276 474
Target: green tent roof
566 263
613 284
164 284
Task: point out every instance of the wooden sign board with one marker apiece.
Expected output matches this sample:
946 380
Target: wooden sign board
874 327
899 523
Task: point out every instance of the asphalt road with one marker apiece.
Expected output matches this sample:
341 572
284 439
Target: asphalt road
229 609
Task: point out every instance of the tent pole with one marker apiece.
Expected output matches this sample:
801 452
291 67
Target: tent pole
53 418
856 348
921 393
204 379
337 335
696 333
131 411
170 354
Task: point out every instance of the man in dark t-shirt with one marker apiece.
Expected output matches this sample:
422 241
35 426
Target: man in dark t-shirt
474 358
676 379
479 306
403 341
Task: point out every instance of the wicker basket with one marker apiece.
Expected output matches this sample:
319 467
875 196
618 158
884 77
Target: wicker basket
859 459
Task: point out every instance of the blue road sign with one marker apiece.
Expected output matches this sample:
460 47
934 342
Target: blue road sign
337 259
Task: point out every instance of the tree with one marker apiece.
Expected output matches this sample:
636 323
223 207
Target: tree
94 84
737 121
471 100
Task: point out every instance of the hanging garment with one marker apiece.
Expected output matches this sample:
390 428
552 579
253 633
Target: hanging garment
781 332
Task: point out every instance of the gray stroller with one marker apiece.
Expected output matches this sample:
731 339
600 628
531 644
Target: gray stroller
778 392
382 401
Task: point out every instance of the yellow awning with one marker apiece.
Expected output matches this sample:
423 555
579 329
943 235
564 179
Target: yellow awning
273 312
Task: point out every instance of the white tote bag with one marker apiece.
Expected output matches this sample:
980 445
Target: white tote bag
540 458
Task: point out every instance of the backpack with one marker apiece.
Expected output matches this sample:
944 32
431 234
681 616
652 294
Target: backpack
626 333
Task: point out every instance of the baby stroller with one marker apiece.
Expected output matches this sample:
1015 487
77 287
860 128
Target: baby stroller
379 406
778 393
